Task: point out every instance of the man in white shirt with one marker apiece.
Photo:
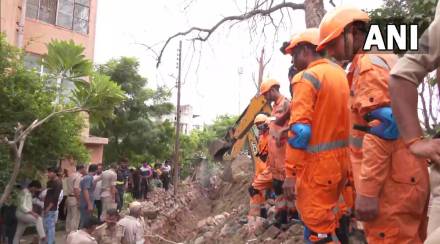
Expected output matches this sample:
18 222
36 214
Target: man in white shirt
165 177
25 213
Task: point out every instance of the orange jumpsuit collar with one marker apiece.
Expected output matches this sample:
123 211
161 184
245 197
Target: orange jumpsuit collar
316 62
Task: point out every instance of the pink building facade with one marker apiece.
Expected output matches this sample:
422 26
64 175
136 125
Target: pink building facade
32 24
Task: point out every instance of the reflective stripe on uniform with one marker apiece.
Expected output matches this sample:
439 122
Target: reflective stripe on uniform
336 208
356 142
327 146
335 238
376 60
312 79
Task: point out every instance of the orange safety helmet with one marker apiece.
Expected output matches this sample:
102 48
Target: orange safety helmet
334 22
310 35
260 118
267 84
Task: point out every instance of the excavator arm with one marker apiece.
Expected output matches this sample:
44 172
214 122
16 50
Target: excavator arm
241 132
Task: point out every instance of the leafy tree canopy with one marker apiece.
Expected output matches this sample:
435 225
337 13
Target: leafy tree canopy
37 127
25 97
419 12
137 131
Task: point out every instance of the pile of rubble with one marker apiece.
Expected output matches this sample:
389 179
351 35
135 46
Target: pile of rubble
213 211
165 214
231 228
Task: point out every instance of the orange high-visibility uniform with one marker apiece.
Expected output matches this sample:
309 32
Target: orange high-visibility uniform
277 153
263 148
262 178
294 157
320 99
385 169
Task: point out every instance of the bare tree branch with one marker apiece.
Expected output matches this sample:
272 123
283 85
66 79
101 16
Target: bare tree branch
190 2
37 123
150 49
204 33
254 80
314 12
17 164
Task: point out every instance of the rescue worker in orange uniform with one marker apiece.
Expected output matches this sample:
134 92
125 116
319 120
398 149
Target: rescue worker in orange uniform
391 184
295 158
319 128
277 142
263 178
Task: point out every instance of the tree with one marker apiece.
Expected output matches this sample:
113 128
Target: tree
23 96
27 103
260 14
137 131
66 64
407 12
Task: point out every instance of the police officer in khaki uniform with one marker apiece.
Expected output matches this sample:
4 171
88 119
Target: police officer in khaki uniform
72 200
110 232
108 193
133 225
406 76
84 235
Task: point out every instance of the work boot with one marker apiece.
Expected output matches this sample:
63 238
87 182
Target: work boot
281 219
344 229
293 215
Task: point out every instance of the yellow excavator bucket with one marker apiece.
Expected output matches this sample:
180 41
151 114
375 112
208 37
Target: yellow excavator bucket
236 136
218 148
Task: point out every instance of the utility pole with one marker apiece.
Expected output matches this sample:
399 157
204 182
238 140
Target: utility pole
20 28
177 144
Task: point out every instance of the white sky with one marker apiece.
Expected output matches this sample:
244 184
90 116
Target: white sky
214 88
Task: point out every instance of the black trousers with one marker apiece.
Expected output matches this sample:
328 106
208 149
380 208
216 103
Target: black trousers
165 181
98 206
144 188
9 223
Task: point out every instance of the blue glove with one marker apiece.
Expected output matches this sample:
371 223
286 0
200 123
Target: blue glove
301 138
387 129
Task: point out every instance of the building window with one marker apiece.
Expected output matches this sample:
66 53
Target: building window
70 14
65 13
48 11
81 16
32 9
33 61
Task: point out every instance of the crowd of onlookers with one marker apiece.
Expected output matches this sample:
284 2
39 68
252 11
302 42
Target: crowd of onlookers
85 198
